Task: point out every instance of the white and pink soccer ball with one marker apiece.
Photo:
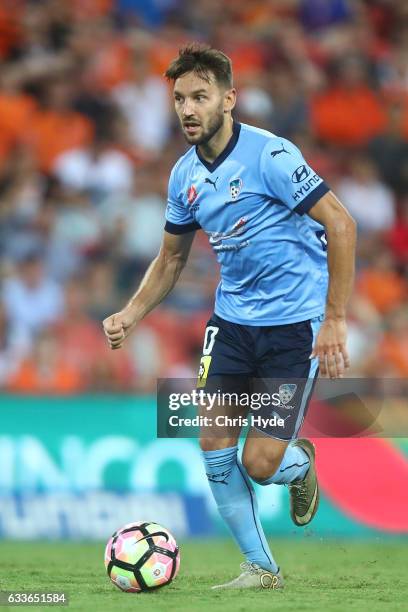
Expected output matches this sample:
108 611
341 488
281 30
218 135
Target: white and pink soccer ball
142 556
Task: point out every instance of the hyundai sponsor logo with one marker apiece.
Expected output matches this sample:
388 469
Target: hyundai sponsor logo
301 192
300 174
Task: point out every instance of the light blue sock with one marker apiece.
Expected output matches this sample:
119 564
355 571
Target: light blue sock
294 466
236 501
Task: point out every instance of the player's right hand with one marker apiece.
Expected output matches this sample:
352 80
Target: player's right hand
117 327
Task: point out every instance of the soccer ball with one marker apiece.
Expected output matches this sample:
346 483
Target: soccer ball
141 556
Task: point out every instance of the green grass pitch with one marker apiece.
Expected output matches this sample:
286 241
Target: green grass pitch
320 575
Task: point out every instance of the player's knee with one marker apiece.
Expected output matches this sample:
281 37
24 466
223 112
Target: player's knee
261 468
211 444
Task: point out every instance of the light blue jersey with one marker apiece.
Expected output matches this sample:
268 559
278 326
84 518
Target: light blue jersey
251 202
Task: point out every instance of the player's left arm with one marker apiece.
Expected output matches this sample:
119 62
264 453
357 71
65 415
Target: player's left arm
340 227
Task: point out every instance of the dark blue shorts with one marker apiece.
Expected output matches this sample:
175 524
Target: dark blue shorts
270 360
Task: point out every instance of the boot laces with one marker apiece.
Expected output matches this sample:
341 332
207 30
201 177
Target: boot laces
251 568
299 491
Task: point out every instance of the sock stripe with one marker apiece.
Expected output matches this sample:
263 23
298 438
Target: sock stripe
295 465
217 463
253 512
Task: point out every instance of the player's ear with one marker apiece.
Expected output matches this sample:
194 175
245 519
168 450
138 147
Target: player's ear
230 98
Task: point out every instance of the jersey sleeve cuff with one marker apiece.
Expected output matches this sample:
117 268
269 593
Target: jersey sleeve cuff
175 228
311 199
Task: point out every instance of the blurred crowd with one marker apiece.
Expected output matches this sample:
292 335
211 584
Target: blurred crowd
88 137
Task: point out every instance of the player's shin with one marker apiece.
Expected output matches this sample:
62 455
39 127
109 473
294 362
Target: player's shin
236 501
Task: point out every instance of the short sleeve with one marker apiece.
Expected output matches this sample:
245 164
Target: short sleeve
179 219
287 176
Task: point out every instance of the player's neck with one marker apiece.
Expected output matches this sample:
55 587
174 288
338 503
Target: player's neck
214 147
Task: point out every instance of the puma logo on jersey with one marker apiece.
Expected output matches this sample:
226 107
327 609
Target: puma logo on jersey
213 183
279 151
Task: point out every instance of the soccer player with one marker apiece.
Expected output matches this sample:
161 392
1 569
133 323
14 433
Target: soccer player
285 246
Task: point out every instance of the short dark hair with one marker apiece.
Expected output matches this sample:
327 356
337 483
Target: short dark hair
203 60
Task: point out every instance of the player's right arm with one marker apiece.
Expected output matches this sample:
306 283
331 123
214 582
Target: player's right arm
158 281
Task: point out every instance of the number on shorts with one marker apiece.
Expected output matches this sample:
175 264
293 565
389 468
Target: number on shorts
209 339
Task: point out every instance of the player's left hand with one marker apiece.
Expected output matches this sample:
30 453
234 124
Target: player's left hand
330 348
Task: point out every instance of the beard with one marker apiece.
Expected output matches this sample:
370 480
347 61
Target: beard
215 124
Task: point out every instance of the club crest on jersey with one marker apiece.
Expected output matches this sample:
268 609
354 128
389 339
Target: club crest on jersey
192 195
286 392
235 188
